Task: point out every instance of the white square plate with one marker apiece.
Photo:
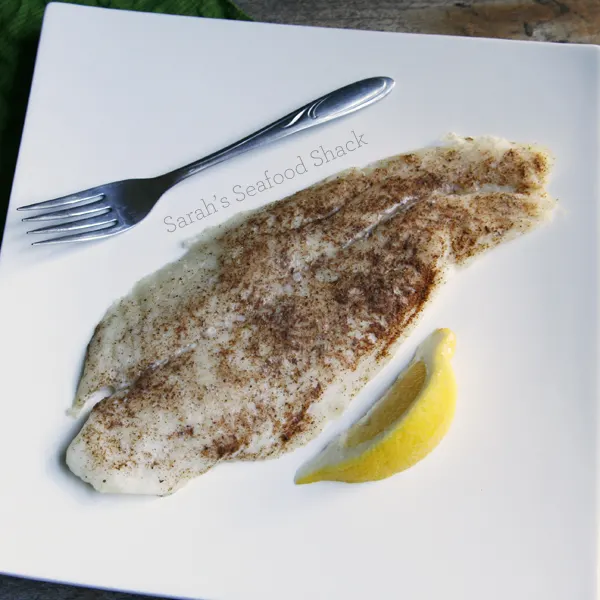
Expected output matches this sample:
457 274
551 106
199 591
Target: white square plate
505 507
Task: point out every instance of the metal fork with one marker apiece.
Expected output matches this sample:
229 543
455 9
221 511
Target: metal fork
113 208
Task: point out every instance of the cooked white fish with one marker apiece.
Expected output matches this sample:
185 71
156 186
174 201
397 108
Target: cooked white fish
267 327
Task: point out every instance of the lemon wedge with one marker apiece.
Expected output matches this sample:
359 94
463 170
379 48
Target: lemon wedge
403 427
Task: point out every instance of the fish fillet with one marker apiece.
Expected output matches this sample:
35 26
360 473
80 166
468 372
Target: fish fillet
268 325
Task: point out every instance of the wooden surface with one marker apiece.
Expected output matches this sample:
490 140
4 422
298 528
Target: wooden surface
548 20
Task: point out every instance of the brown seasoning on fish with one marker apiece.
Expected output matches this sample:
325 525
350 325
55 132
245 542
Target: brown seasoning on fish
266 328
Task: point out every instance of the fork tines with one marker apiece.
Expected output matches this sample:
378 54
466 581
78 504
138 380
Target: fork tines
91 217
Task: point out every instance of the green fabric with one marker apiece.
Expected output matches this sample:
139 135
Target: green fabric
20 24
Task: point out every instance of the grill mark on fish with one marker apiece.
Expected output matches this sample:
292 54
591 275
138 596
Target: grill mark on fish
239 350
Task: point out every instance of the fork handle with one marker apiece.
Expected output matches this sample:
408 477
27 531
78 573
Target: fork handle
334 105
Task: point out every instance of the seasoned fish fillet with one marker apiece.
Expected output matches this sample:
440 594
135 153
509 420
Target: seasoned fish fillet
267 327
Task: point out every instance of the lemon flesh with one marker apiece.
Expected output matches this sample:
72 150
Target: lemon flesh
403 427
